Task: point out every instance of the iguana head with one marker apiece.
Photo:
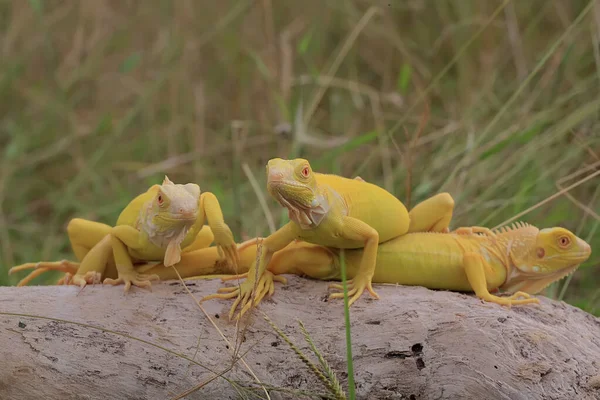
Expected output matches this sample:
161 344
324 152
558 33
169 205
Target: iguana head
176 205
539 257
293 184
169 216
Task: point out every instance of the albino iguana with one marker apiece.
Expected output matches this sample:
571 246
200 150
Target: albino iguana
154 226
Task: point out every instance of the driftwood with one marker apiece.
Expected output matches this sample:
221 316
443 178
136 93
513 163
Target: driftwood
413 343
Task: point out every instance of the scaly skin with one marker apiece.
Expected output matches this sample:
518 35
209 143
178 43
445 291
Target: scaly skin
154 226
327 210
521 260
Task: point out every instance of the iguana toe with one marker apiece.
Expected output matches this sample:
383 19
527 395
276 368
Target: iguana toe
134 278
356 287
40 268
247 294
90 277
233 277
512 300
520 294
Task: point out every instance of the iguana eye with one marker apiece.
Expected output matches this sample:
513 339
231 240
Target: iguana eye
160 199
564 241
305 171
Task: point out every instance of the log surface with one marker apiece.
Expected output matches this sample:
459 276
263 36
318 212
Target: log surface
413 343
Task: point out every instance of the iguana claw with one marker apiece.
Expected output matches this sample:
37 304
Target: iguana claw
90 277
129 278
356 288
244 291
234 277
514 300
40 268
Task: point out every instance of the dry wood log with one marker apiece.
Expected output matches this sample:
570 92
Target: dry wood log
413 343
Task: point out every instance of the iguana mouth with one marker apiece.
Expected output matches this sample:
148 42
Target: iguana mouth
291 194
183 217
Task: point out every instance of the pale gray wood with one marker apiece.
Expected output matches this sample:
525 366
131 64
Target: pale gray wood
412 343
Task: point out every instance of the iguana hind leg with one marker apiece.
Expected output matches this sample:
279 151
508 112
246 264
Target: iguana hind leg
474 265
432 215
42 267
83 236
93 266
89 271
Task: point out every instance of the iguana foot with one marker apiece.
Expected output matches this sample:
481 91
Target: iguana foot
129 278
245 290
41 267
512 300
90 277
356 287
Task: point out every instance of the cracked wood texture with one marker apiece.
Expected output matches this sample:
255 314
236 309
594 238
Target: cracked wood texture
413 343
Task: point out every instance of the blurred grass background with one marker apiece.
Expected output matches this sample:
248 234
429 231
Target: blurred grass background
495 102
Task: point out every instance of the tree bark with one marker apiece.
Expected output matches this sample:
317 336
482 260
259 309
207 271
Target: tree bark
413 343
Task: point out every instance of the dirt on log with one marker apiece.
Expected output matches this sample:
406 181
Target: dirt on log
413 343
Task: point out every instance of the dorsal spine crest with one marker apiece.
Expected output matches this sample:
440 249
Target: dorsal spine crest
512 227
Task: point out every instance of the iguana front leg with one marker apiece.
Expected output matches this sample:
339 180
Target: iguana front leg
203 239
123 237
256 275
357 230
223 237
298 258
475 269
432 215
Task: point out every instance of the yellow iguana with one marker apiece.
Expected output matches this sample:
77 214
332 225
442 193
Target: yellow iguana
521 260
333 211
433 214
154 226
